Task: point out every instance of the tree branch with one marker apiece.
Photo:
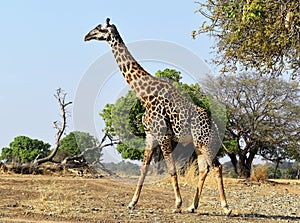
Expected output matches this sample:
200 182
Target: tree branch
100 147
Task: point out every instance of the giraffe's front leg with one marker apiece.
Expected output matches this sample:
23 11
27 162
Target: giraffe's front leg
144 168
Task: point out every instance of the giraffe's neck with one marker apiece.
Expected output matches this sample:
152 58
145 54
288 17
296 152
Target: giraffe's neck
132 71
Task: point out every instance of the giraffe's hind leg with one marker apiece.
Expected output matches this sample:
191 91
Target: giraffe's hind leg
217 167
166 148
203 171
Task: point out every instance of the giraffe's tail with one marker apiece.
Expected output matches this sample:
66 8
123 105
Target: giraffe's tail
225 148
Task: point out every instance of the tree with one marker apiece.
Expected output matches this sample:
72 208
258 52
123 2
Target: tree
273 172
79 146
69 145
263 35
280 151
76 142
123 119
24 149
263 116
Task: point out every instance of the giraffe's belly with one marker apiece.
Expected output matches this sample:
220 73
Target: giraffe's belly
185 138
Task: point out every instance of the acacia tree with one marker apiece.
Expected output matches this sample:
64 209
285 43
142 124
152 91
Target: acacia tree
254 34
263 115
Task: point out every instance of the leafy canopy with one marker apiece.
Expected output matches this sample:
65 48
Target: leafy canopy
75 142
263 35
24 149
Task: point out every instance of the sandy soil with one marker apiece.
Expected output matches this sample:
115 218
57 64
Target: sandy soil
37 198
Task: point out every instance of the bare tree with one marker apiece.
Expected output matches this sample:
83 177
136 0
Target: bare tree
79 159
60 126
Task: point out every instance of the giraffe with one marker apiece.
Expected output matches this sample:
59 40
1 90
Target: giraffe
169 118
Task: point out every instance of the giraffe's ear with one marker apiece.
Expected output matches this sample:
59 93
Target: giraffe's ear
107 22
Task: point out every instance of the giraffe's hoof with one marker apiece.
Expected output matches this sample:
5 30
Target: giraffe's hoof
131 206
177 210
190 209
227 211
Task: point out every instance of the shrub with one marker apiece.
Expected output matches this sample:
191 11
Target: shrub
259 173
232 174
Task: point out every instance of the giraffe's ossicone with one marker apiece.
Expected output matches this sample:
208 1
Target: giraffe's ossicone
169 118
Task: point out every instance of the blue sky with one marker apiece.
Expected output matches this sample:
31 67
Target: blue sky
42 49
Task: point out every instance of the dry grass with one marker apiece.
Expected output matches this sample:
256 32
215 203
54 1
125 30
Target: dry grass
259 174
191 175
54 199
36 198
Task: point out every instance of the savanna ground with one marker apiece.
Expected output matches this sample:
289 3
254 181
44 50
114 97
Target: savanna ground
65 198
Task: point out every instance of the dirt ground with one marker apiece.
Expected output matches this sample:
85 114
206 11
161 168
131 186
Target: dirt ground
38 198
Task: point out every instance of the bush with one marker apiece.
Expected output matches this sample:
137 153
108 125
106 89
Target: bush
259 173
271 170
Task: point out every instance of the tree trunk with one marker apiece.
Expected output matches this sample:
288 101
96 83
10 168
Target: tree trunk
234 161
244 170
245 163
276 167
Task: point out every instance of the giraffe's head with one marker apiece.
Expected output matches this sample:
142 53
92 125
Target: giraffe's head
104 31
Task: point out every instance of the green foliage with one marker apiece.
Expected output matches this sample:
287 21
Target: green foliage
270 172
290 173
286 170
169 75
128 151
232 145
135 118
75 142
69 145
106 115
24 149
256 34
6 154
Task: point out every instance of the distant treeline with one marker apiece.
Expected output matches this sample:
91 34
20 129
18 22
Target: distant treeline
285 170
